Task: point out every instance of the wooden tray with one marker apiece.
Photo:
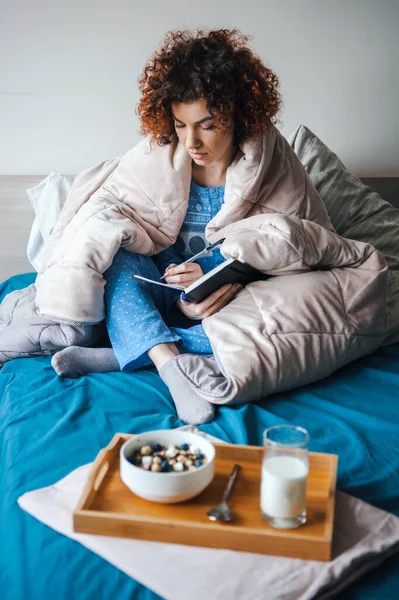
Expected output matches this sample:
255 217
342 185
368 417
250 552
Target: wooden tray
108 507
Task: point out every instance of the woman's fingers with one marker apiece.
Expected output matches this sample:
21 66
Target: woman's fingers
223 300
183 268
217 300
183 278
210 305
185 273
201 307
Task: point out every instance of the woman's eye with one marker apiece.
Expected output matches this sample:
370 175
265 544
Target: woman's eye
181 125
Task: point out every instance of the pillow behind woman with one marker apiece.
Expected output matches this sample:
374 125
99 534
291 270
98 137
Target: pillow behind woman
355 210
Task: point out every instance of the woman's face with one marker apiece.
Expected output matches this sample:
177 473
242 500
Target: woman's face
195 128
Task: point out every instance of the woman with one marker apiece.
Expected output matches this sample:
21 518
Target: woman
212 93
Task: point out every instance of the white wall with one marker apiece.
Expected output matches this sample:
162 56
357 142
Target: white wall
69 71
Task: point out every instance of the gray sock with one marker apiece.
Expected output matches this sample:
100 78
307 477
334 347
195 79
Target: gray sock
76 361
205 376
191 407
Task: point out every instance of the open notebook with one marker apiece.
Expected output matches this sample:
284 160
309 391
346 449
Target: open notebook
229 271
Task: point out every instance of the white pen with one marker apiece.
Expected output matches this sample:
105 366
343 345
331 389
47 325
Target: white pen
193 258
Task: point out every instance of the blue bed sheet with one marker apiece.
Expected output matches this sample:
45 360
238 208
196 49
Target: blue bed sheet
49 426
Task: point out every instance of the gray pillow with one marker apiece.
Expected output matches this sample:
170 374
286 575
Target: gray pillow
356 212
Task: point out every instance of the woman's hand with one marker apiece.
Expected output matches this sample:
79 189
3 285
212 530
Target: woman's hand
184 274
210 305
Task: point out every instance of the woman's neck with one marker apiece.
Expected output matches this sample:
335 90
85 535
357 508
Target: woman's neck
204 178
212 175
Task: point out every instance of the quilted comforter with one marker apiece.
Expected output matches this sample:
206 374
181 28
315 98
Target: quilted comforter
324 306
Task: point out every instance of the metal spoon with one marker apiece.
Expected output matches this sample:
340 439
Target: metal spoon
223 512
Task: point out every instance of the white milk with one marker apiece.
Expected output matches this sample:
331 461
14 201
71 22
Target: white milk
283 487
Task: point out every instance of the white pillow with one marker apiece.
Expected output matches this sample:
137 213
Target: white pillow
47 198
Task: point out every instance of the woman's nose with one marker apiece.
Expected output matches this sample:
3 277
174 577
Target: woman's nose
192 140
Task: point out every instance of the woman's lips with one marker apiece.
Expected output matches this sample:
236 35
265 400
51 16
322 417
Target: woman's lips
198 155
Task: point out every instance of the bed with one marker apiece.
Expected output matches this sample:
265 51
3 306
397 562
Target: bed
49 426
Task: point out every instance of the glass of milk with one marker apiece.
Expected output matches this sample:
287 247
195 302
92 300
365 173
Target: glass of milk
285 467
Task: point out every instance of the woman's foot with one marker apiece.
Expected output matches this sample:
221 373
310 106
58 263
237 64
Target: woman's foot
191 407
205 376
75 361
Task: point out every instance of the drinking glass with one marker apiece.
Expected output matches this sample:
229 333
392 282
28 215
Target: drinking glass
285 468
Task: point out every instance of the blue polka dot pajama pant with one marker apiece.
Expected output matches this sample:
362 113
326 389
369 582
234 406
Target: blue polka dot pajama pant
137 313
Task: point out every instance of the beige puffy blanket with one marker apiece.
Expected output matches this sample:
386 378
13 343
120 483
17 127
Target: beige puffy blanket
325 307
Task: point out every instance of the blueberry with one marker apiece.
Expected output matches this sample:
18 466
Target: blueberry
184 447
165 466
198 463
156 447
135 458
200 456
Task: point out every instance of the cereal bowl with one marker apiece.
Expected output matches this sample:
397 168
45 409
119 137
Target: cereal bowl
166 487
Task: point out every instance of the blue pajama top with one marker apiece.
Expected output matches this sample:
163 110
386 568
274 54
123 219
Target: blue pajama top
203 205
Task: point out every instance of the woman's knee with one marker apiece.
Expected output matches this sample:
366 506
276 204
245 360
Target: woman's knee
130 263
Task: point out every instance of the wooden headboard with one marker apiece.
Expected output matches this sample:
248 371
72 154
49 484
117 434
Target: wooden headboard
16 217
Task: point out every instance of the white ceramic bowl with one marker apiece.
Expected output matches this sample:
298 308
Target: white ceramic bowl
166 487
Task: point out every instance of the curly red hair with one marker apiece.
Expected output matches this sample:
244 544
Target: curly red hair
216 66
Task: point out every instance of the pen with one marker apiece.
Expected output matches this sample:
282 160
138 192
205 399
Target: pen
193 258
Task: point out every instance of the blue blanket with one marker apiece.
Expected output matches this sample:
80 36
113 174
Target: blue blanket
49 426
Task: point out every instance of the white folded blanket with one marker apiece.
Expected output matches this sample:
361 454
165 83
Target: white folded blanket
363 537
